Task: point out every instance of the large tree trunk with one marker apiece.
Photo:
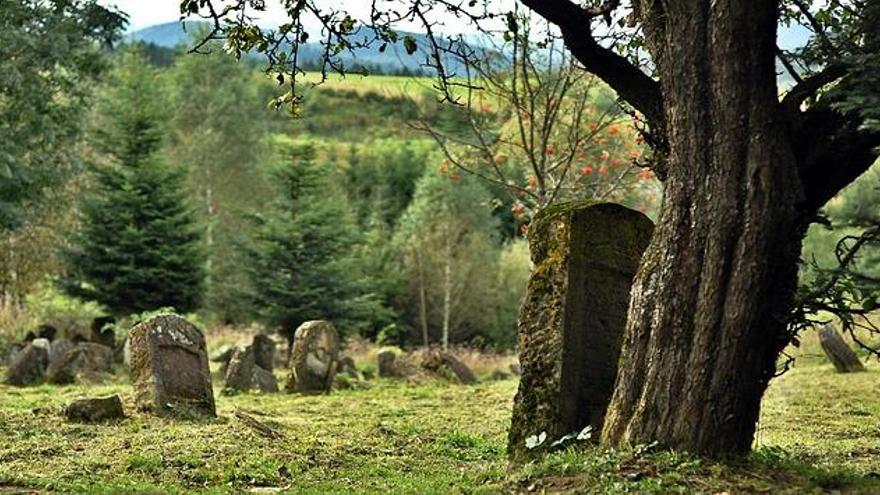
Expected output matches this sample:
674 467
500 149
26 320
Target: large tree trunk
707 315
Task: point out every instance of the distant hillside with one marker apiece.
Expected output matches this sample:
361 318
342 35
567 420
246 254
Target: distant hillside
393 60
169 34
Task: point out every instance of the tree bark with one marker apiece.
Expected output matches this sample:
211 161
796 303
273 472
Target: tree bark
710 301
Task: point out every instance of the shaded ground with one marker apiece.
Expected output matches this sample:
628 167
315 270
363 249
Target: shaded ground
819 433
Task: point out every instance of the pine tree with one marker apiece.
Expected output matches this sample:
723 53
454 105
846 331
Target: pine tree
302 261
137 248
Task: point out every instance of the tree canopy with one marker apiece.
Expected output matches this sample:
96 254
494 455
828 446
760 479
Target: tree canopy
51 50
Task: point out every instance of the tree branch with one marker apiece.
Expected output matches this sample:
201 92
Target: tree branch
808 87
832 151
633 85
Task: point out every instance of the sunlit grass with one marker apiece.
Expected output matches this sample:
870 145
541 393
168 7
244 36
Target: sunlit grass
819 431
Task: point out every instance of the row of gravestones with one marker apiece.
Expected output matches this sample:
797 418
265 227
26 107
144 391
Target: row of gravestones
40 357
170 373
317 366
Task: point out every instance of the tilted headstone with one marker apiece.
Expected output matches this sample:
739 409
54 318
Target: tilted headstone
13 351
29 364
264 351
346 365
838 351
313 360
63 370
169 367
243 373
571 324
449 365
95 357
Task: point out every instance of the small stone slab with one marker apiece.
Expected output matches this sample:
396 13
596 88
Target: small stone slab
838 351
347 366
95 409
29 364
313 360
572 320
169 368
12 351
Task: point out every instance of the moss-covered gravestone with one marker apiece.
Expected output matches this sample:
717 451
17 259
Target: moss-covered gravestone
169 368
571 324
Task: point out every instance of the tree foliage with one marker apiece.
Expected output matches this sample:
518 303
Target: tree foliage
449 242
51 52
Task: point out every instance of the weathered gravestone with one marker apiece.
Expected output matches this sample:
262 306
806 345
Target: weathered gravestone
29 364
240 370
243 373
13 351
313 359
571 323
264 351
386 359
346 365
169 367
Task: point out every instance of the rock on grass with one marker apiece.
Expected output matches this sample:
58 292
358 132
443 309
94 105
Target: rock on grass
93 410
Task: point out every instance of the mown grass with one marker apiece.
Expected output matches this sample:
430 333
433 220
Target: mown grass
819 432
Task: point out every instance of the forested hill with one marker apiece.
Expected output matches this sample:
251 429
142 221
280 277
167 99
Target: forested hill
393 60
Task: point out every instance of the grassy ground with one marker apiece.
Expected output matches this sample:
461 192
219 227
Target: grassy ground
819 433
